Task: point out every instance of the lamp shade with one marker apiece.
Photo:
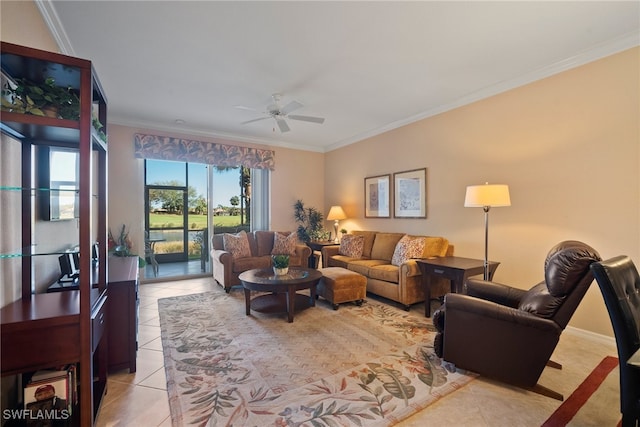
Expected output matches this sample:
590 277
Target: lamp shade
336 212
493 195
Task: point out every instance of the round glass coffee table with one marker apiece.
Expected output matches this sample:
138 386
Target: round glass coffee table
283 296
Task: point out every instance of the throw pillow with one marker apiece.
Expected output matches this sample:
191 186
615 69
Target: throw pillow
351 246
237 244
284 244
407 248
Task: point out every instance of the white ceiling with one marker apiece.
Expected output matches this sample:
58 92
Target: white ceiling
366 67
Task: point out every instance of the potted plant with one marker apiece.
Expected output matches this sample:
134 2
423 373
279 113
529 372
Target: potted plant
41 99
98 127
121 246
46 100
309 222
280 264
343 231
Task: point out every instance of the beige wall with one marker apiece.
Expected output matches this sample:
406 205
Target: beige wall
22 23
568 147
298 175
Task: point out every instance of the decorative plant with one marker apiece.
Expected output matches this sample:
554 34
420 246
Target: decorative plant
98 127
280 261
309 222
121 245
343 231
41 99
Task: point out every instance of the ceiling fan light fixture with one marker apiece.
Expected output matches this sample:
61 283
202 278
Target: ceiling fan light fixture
279 114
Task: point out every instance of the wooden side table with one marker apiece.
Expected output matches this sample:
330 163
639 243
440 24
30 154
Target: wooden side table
454 268
317 246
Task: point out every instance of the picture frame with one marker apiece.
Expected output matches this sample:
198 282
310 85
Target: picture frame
410 194
377 197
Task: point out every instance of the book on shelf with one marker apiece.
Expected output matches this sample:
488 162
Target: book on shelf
69 370
45 374
50 395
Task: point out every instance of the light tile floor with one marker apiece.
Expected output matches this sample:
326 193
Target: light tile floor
140 399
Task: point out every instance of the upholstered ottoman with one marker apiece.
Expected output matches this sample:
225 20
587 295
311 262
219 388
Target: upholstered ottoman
340 285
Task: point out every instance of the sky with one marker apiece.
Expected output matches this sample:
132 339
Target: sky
225 184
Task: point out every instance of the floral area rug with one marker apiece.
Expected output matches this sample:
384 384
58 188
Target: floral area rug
372 365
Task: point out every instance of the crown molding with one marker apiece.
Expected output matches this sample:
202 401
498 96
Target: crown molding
602 50
50 16
599 51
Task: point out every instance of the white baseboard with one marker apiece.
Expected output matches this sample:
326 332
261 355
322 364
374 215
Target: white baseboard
591 335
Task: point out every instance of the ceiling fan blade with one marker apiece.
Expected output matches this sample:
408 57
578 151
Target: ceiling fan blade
242 107
255 120
292 106
282 124
307 118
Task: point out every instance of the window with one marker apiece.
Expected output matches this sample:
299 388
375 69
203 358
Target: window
186 202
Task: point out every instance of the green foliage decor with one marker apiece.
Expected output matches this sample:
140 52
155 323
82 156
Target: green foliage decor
309 223
41 99
121 245
45 99
280 261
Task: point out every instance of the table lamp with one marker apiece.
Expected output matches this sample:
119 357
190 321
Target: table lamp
336 214
487 196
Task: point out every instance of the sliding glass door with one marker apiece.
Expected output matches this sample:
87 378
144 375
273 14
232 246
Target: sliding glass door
167 222
176 207
186 202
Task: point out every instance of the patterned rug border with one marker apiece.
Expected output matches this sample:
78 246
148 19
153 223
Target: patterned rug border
341 387
570 407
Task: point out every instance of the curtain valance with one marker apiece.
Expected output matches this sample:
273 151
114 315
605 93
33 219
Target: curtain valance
186 150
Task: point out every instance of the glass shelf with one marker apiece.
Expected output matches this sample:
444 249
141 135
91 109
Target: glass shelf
46 130
34 189
37 250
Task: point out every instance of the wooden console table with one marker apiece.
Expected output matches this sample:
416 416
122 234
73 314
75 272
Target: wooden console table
41 332
454 268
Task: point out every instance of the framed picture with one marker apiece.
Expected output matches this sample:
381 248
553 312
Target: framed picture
410 194
377 197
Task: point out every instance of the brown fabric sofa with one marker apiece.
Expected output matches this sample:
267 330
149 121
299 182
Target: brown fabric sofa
226 269
402 283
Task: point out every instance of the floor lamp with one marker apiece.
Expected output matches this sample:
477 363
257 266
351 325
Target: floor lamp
487 196
336 213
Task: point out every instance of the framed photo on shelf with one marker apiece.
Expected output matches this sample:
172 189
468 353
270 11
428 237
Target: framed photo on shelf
410 194
377 197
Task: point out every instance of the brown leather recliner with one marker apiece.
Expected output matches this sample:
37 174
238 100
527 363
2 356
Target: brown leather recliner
509 334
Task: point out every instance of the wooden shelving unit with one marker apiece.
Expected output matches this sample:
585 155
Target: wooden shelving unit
50 329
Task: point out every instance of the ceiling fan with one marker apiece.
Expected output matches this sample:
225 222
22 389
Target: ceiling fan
279 114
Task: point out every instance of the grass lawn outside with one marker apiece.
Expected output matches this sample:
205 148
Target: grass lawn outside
195 222
172 242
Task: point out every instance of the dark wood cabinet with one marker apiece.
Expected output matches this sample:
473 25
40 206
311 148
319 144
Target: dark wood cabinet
123 304
45 330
